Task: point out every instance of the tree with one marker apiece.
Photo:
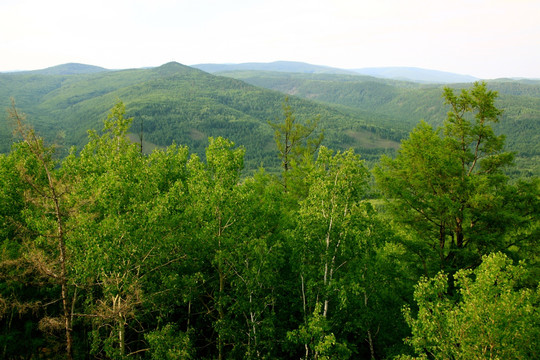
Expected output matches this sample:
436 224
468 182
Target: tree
448 185
330 222
214 190
256 264
125 204
42 220
377 283
493 317
293 139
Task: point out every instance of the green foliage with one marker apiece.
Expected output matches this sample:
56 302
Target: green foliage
392 108
448 185
339 256
491 317
184 105
168 343
176 104
317 339
179 254
293 138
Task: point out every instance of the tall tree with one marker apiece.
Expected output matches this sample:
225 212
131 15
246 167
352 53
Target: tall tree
214 190
122 213
448 185
330 222
294 140
256 261
44 216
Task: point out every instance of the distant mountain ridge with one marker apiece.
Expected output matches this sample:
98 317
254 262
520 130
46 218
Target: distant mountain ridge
68 69
281 66
417 75
412 74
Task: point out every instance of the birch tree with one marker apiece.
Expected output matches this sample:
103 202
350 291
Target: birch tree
327 229
214 197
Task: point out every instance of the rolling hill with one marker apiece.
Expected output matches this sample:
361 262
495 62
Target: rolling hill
177 103
400 105
68 69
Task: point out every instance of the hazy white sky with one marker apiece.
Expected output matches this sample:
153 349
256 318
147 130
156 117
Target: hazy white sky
484 38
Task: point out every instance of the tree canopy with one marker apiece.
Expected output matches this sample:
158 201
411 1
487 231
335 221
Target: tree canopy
113 253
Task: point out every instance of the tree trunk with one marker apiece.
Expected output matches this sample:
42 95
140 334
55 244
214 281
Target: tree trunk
221 274
370 342
327 270
459 232
253 328
50 192
221 312
122 336
442 242
63 275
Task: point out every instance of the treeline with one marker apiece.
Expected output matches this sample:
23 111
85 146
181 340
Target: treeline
113 253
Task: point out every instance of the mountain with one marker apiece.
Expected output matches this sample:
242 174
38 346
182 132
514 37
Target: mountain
400 105
282 66
68 69
416 75
177 103
186 105
396 73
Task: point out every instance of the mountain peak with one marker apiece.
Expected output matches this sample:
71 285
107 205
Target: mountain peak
171 68
70 69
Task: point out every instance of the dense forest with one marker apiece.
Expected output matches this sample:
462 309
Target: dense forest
112 252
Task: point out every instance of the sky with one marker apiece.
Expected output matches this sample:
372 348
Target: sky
483 38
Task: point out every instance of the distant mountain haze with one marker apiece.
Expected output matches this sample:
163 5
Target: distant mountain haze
397 73
282 66
417 75
413 74
68 69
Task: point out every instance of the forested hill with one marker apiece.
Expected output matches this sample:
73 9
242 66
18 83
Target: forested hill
401 105
177 103
69 69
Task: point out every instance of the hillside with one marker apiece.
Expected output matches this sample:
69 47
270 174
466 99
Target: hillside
177 103
400 105
69 69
